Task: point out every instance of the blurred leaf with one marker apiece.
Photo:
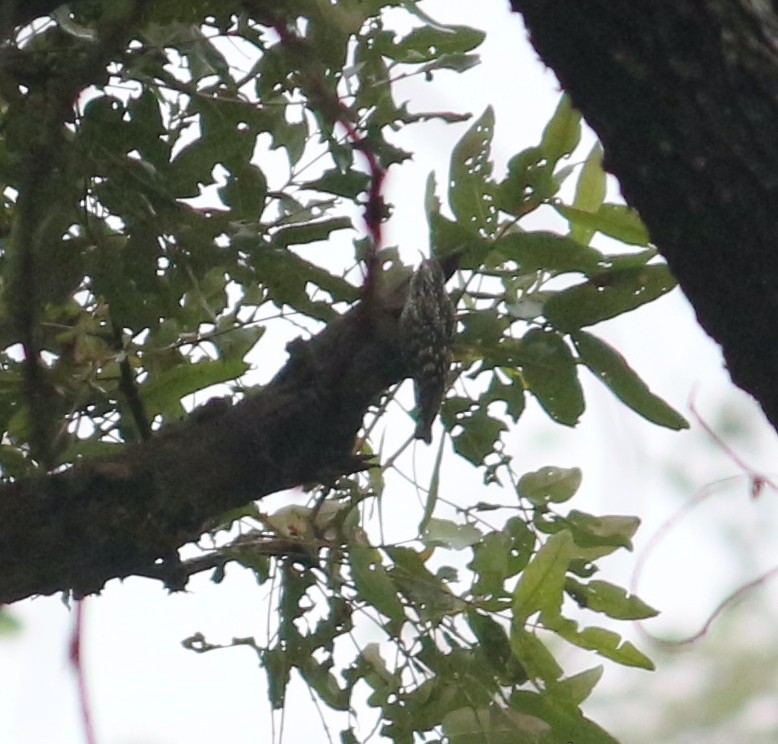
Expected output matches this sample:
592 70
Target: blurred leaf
563 132
534 656
311 232
491 564
549 484
566 721
589 193
432 493
9 625
578 687
452 535
494 725
612 369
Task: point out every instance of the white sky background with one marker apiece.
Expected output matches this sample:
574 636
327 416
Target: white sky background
146 689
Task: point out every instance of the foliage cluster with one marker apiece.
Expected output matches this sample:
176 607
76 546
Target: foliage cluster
145 293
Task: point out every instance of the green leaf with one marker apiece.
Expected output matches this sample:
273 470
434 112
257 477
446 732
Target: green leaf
452 535
589 193
607 296
470 189
536 251
374 584
479 433
428 43
578 687
277 668
533 655
563 132
609 599
432 493
612 369
163 393
424 590
494 644
529 183
567 723
511 393
494 725
311 232
491 564
323 682
604 642
245 192
550 374
541 585
595 532
350 183
618 221
549 484
9 625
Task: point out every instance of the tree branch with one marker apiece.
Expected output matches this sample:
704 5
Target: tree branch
129 514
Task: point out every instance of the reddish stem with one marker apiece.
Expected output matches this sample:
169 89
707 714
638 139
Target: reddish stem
77 661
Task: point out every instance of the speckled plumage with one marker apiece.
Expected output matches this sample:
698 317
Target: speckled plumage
427 325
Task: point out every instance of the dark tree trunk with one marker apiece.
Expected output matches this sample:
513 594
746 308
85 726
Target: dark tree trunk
684 96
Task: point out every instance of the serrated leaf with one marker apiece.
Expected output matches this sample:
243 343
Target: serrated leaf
479 433
429 43
549 484
612 369
511 393
611 600
541 585
603 642
550 374
607 296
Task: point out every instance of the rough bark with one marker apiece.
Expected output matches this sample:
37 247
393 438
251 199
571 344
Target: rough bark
129 514
684 96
